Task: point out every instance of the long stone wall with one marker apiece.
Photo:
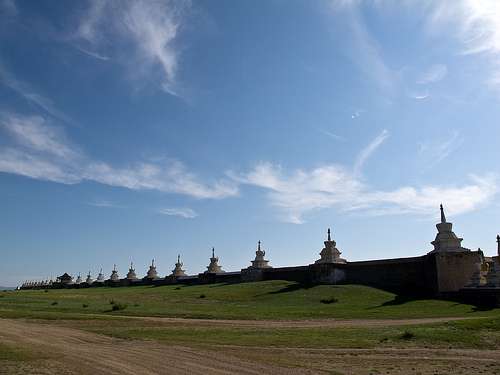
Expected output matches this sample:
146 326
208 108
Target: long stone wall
431 274
415 275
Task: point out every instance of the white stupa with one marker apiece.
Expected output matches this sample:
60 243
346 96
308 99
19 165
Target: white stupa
114 274
89 279
446 240
152 273
100 277
78 279
131 272
214 267
330 253
178 271
259 262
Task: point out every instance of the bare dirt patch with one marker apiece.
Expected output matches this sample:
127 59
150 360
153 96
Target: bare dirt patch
73 351
315 323
68 350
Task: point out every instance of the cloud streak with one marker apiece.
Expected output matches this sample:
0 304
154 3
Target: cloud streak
301 192
368 151
28 93
474 23
434 74
148 28
103 204
185 213
433 152
43 152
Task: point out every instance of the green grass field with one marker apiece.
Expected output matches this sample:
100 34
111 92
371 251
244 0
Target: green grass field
481 333
279 300
92 309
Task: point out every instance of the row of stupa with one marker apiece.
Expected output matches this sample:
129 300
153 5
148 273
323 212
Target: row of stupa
152 274
446 241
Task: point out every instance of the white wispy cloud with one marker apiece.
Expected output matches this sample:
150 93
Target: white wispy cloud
149 27
368 151
36 133
301 192
363 48
186 213
35 166
26 91
93 54
103 204
333 135
433 152
474 23
357 113
43 152
435 73
419 95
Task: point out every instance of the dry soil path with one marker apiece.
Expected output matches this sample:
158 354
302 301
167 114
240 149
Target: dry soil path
71 351
74 351
316 323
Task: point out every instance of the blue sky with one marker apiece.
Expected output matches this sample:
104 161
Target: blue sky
143 129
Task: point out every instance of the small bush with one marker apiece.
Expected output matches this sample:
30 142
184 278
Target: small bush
46 291
112 302
178 288
407 335
202 296
54 303
118 306
327 301
85 305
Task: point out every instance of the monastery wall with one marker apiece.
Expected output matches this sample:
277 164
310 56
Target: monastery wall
455 270
414 275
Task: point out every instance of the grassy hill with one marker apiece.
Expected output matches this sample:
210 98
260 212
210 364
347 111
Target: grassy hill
260 300
109 311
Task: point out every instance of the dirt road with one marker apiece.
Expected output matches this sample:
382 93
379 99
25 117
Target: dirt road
71 351
65 350
316 323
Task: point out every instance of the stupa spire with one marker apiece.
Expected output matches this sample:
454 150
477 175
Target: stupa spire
329 235
443 217
498 244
